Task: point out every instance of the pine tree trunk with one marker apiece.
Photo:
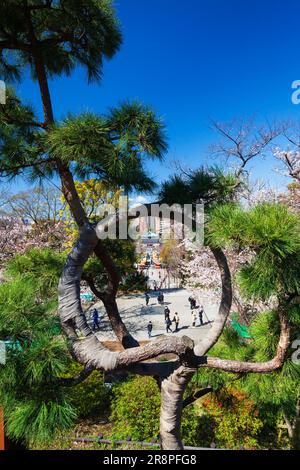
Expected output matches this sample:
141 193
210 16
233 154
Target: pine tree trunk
172 390
118 326
70 193
71 196
44 89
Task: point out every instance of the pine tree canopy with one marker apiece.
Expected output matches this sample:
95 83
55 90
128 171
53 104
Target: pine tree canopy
203 185
62 33
36 405
112 147
52 38
272 233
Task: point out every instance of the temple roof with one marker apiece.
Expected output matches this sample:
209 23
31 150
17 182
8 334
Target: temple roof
150 236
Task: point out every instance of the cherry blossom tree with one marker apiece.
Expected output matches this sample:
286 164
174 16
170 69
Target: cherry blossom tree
290 160
243 140
291 198
17 237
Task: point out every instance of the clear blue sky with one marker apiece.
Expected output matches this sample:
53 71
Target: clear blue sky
194 60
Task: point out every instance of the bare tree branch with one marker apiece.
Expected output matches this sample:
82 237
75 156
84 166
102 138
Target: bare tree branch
196 395
244 140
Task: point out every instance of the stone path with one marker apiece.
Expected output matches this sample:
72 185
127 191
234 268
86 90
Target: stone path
136 315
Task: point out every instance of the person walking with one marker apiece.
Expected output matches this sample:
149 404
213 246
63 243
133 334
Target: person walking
95 317
192 302
200 313
167 312
194 318
176 320
168 325
147 298
160 298
149 328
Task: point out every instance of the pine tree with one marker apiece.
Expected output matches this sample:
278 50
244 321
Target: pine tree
273 233
51 38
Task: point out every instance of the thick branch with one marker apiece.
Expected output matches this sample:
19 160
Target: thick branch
72 317
225 305
256 367
91 352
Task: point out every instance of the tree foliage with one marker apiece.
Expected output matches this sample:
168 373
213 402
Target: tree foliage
209 186
272 233
67 33
36 407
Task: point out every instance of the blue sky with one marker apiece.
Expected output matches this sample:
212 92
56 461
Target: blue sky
194 60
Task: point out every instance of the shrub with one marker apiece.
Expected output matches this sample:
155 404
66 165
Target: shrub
135 413
135 409
90 398
234 420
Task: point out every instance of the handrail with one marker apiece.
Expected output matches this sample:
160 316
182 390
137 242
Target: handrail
99 440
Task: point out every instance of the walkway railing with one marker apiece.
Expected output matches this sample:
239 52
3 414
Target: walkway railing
100 440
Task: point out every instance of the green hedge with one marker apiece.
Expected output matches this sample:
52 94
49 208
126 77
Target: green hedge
91 398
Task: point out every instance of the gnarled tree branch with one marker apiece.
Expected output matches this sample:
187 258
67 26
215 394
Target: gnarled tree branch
256 367
225 305
175 374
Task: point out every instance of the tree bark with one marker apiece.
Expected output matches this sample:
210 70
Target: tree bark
44 88
225 305
172 390
70 193
256 367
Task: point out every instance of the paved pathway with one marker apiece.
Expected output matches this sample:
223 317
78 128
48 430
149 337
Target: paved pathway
136 315
161 277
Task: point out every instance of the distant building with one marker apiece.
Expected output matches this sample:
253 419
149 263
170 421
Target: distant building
149 244
149 225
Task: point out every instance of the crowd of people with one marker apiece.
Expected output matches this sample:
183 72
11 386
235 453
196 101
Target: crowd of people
197 311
